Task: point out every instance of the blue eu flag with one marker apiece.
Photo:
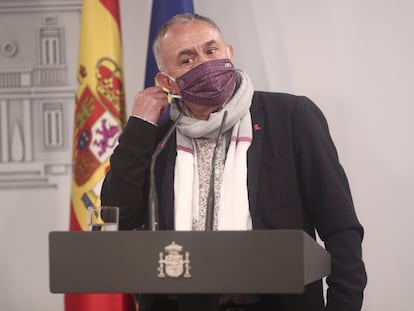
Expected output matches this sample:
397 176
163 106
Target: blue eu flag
162 11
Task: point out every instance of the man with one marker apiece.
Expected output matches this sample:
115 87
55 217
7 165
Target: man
275 167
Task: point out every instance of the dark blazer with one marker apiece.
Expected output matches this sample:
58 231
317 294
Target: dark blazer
295 181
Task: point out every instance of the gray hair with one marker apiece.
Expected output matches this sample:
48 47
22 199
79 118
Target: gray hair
185 18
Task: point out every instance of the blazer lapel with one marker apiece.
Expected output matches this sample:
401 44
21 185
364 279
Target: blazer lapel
254 154
165 175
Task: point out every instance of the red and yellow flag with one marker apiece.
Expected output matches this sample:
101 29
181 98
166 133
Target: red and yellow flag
99 119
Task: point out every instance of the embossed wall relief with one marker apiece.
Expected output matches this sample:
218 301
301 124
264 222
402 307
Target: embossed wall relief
37 90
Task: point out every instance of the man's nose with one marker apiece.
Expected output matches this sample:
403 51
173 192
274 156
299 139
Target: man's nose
201 59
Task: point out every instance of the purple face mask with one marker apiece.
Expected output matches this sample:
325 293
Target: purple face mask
209 84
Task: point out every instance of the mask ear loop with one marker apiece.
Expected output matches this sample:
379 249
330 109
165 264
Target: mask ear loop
174 96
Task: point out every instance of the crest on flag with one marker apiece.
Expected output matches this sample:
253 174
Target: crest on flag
109 85
105 136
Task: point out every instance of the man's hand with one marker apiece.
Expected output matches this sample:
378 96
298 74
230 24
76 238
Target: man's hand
150 103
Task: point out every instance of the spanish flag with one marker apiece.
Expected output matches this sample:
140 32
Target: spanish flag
98 122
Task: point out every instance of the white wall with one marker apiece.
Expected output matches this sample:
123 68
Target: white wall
353 58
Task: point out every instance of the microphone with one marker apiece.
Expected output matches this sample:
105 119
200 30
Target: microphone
211 193
152 196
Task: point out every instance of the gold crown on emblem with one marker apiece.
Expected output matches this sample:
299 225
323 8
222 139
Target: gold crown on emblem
173 248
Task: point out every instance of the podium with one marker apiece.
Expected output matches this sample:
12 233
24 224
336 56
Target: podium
262 261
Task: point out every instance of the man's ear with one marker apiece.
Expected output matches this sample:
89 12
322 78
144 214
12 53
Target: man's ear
166 83
231 51
163 81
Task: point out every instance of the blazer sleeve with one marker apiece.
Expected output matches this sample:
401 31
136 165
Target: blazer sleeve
327 198
125 185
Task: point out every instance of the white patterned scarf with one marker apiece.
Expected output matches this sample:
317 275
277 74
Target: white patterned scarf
233 208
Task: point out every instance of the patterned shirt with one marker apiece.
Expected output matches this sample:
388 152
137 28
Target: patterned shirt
204 148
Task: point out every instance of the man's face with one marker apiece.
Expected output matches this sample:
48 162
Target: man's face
187 45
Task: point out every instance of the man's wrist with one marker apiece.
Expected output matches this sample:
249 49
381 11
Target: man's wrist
146 120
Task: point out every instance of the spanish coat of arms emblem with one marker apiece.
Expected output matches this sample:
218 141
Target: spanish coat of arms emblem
172 263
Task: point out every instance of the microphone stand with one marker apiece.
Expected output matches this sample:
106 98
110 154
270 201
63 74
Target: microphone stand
153 197
211 193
